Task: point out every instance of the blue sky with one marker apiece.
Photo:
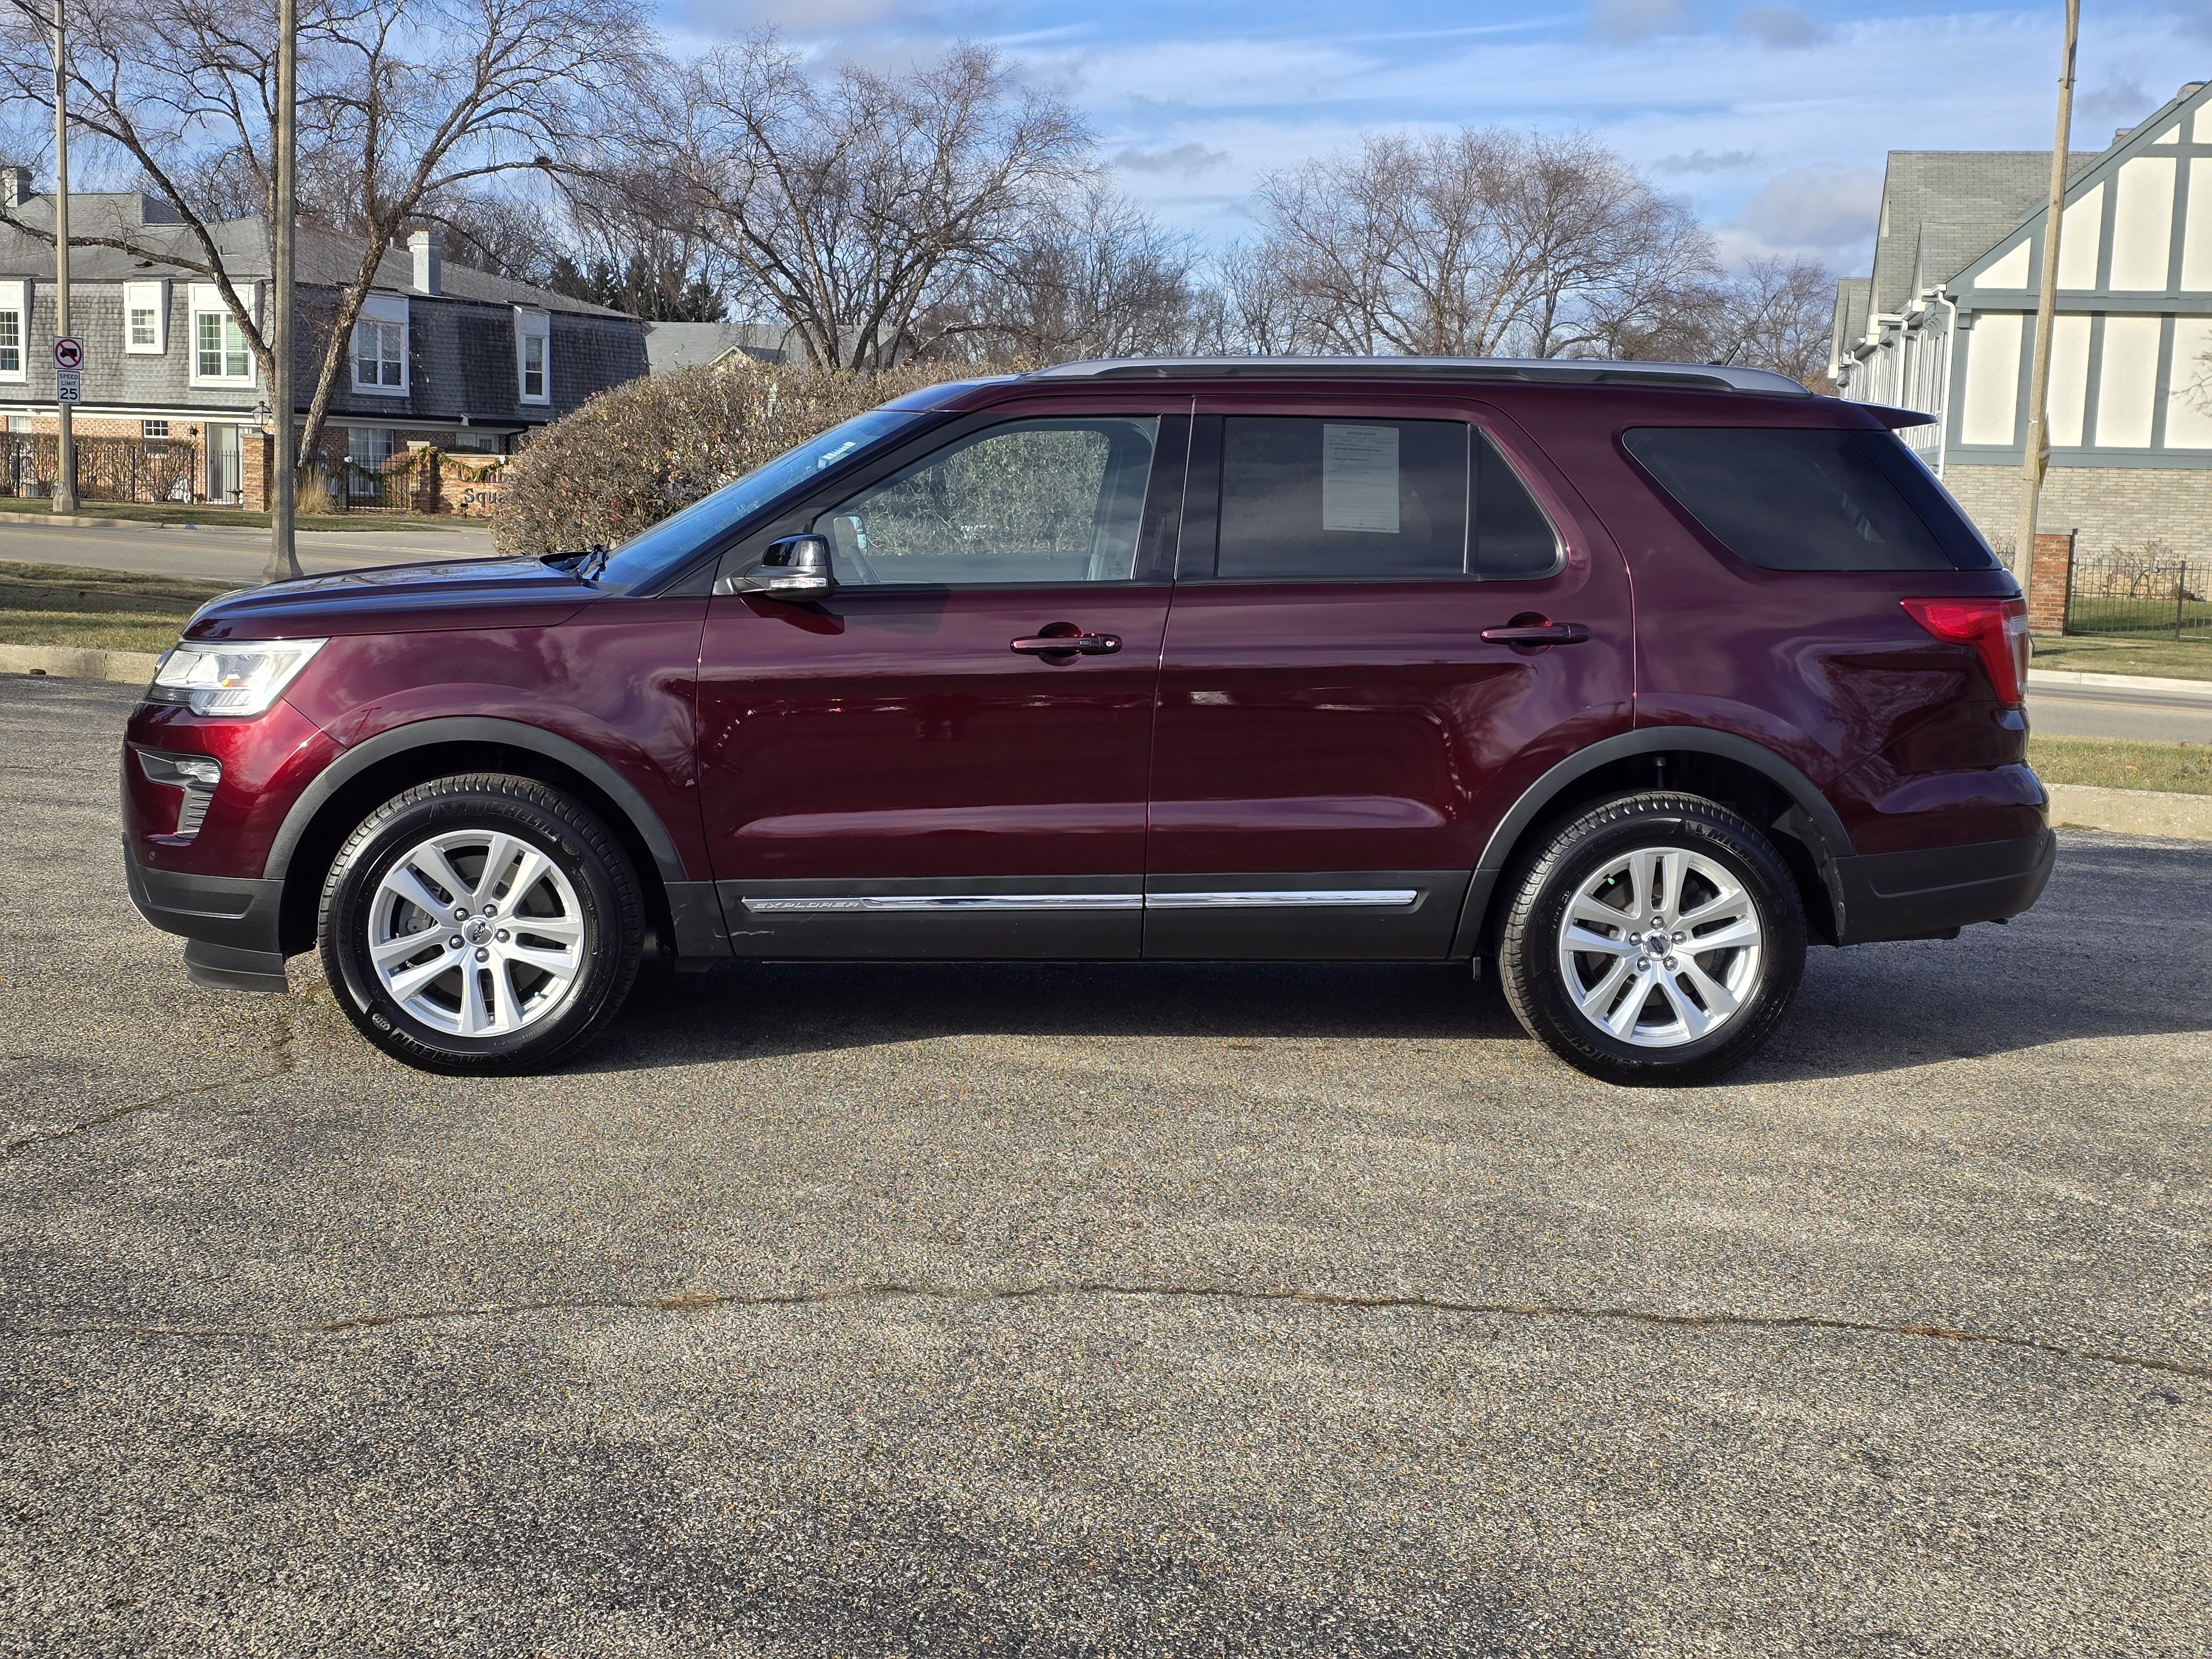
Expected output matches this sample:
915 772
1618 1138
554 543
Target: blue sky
1771 119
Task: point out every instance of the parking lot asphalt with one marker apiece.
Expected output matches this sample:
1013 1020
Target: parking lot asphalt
1050 1310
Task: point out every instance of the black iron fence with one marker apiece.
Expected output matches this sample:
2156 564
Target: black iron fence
107 469
395 485
2148 592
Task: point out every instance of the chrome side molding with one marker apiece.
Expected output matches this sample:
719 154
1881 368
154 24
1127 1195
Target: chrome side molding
1301 899
909 903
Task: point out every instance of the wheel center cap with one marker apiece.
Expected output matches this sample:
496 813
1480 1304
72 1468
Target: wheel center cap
477 931
1656 944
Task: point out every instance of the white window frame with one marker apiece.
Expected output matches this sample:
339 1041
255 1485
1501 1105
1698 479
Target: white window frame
16 302
147 434
532 325
152 296
381 311
207 301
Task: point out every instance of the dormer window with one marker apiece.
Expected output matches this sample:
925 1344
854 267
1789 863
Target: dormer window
533 355
379 346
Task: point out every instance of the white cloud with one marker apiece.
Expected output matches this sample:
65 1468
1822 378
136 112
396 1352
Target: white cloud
1183 159
1707 160
1780 25
1810 210
1639 19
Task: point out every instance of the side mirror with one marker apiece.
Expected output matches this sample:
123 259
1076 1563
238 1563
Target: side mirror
797 569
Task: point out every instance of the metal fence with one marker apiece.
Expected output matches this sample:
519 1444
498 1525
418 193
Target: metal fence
107 469
2148 592
387 486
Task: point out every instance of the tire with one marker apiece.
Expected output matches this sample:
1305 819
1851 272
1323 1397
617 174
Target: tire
1624 1010
543 959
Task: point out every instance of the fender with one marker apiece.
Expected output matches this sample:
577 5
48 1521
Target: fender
1817 822
511 734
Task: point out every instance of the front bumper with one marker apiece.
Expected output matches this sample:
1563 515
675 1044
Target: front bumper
230 922
1932 894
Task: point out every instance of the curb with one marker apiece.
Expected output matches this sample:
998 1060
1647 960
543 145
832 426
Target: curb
2038 676
2131 812
66 662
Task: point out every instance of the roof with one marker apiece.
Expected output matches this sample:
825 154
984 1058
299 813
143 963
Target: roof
1854 297
671 346
1942 209
320 257
1577 371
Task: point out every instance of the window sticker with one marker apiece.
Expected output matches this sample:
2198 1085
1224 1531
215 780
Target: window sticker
1359 479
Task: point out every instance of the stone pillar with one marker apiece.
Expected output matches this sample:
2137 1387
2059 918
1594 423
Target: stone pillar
2047 588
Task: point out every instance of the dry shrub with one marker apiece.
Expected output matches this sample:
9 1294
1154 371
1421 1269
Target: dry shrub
638 453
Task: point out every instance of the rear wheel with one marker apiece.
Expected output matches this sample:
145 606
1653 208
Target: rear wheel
1659 938
481 923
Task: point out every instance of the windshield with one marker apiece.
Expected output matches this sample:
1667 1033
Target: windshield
653 554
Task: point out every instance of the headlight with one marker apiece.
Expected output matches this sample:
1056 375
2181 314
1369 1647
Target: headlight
229 678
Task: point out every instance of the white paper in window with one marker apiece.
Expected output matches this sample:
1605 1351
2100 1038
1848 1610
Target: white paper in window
1359 479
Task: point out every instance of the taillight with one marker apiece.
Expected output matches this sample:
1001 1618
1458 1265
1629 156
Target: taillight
1995 628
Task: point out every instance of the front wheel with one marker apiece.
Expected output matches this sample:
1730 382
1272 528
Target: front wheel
1659 938
486 923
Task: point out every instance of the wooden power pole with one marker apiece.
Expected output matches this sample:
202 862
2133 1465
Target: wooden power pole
2036 456
66 448
283 556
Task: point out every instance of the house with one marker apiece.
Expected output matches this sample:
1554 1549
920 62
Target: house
1946 324
672 346
442 356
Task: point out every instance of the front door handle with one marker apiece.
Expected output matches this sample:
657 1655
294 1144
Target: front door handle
1068 644
1524 633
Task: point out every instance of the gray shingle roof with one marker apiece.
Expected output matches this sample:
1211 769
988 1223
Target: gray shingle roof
1943 209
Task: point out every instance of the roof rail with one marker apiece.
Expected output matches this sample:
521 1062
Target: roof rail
1565 371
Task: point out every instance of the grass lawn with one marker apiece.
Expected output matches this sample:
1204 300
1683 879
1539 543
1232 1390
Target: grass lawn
96 610
2086 653
2183 769
181 512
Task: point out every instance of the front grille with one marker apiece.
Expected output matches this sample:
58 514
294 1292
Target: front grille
193 811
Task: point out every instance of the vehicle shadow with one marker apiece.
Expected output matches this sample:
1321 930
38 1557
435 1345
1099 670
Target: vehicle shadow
2074 968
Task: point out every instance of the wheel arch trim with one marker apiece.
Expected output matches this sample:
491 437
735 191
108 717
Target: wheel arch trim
1820 816
357 758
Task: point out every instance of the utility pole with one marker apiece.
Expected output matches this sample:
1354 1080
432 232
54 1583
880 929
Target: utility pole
2036 456
283 556
65 450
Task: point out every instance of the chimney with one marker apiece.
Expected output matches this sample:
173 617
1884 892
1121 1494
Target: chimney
429 247
14 186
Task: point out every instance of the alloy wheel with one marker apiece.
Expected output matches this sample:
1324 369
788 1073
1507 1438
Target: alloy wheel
1660 946
476 933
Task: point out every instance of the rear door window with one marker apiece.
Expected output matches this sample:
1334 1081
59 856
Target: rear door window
1810 499
1345 499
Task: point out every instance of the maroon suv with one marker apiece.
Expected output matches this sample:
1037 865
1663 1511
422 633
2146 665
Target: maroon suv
1630 678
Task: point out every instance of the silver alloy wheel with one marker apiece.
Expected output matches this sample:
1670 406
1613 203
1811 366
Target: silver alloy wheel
1660 946
476 933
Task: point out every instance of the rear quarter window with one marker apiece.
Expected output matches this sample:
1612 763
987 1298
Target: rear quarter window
1811 499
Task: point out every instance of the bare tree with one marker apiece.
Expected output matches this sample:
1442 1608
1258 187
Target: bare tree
1095 277
851 204
1477 243
1779 315
404 105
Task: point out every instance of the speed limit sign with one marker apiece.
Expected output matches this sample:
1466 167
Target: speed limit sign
68 352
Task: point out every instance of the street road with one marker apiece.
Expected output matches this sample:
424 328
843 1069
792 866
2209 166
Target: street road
224 553
2091 711
1044 1310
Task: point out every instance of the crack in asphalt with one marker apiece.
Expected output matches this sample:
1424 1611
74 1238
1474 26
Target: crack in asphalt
894 1290
280 1050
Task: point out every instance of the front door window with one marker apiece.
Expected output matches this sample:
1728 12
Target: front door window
1029 502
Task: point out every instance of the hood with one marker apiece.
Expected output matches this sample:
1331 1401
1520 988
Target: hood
400 598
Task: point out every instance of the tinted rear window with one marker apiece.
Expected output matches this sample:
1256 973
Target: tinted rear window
1348 500
1811 500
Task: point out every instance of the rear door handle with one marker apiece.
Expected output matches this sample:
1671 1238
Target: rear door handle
1536 632
1068 645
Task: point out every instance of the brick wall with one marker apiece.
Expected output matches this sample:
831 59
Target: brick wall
2047 589
2111 507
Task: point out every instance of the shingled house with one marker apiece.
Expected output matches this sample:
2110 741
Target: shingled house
1946 324
444 356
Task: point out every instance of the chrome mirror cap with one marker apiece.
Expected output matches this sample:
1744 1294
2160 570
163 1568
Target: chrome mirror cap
796 568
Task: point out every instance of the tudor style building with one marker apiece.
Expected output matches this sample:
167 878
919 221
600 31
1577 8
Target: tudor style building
1946 324
442 355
